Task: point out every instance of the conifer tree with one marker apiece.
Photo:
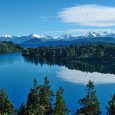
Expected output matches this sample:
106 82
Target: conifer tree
22 110
6 105
32 106
111 106
60 106
90 104
46 97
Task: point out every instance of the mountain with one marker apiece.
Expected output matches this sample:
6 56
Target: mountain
91 35
35 40
20 39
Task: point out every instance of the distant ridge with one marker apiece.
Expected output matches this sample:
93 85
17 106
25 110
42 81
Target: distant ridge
35 40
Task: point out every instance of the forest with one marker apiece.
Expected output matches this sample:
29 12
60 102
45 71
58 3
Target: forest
84 51
41 98
79 52
8 47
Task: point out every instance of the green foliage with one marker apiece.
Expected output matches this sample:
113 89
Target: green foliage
40 99
111 106
32 106
46 97
60 106
6 105
89 104
22 110
73 51
9 47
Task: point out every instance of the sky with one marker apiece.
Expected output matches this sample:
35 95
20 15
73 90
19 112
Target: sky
52 17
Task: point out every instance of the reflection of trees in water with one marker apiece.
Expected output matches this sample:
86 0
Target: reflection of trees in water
89 65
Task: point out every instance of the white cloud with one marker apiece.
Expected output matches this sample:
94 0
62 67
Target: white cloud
79 77
90 15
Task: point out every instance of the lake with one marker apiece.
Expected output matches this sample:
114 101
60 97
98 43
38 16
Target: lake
17 74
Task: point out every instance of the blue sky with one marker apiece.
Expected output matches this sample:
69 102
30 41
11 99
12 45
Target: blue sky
23 17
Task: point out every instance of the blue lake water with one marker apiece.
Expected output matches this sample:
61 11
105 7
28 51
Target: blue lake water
17 74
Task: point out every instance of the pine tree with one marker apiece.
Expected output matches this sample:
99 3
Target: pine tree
22 110
35 84
89 104
32 106
60 106
111 106
6 105
46 97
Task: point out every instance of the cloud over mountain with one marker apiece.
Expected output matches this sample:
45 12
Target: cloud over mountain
89 15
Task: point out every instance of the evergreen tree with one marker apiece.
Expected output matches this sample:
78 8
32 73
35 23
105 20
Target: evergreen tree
46 97
6 105
40 99
89 104
35 84
32 106
60 106
111 106
22 110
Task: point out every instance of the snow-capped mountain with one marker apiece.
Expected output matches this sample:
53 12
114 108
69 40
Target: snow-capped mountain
91 35
42 37
37 39
39 36
65 36
21 39
62 37
36 36
85 35
6 36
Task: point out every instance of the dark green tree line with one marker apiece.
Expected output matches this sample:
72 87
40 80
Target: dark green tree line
85 51
40 100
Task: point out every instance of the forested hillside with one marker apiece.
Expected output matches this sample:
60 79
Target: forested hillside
74 51
8 47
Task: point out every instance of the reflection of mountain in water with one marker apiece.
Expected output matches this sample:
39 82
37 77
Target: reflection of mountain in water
97 65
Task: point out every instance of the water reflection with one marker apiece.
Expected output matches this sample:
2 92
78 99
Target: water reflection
101 66
9 58
79 77
18 72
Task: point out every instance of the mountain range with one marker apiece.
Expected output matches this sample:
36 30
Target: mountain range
35 40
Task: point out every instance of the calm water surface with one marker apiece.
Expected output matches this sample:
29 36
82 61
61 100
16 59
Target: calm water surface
17 74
